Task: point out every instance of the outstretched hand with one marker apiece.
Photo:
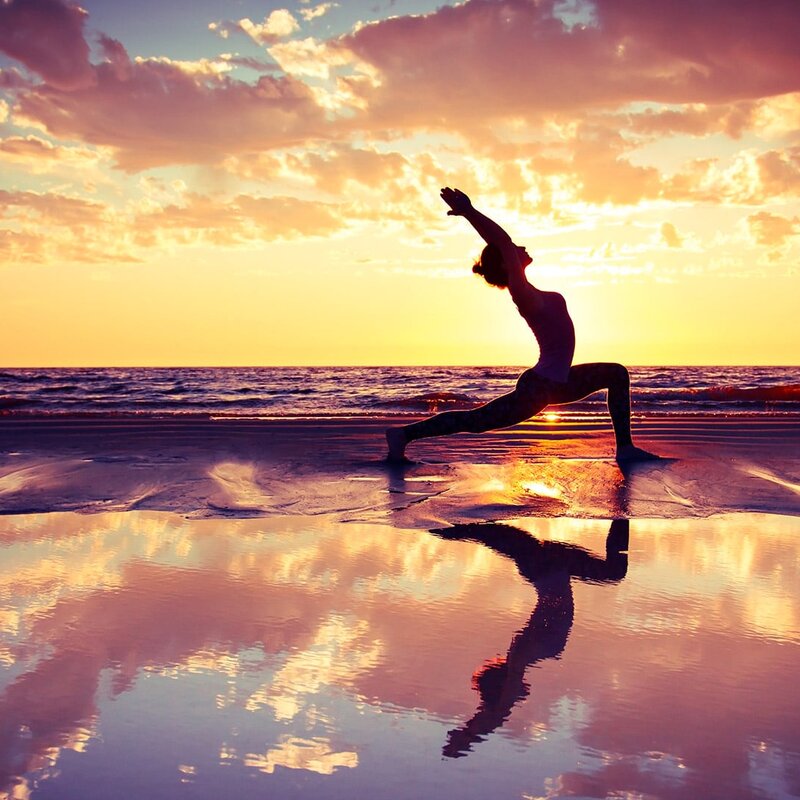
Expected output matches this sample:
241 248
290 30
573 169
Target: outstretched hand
459 203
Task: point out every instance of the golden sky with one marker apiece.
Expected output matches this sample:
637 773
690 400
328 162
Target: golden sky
182 186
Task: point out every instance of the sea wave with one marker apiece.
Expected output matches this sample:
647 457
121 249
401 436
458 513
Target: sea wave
430 402
326 391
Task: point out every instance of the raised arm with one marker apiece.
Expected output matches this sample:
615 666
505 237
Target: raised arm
490 232
461 206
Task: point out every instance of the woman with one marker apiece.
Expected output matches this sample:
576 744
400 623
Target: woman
553 381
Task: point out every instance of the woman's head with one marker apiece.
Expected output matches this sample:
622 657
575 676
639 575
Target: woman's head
491 266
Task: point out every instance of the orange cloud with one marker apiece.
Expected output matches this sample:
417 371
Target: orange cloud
696 120
330 171
243 218
39 155
772 230
56 209
779 172
54 227
469 69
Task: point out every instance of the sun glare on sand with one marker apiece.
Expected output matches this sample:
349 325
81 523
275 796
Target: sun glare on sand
510 484
541 489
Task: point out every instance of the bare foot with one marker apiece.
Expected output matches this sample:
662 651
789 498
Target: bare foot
396 439
628 454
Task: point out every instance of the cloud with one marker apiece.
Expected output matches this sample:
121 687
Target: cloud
51 227
38 155
51 208
750 177
669 235
230 221
47 37
606 177
779 172
772 230
309 57
154 112
464 66
256 64
201 67
779 116
11 78
510 77
276 25
341 164
695 120
316 11
151 111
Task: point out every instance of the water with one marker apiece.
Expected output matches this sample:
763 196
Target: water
147 655
322 391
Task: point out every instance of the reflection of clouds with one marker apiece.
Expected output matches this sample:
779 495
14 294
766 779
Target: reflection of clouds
9 620
741 575
44 764
314 755
772 614
340 650
346 611
127 593
425 573
71 554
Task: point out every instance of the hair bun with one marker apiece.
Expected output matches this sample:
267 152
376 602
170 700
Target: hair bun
477 268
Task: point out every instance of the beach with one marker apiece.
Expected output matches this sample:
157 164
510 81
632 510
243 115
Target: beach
335 466
192 607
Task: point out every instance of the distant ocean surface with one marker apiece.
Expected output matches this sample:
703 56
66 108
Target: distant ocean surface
335 391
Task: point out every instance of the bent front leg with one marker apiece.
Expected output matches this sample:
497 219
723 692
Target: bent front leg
586 379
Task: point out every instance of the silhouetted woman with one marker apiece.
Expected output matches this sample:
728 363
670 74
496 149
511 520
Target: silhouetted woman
553 381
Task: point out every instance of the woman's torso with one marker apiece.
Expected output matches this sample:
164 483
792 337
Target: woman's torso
547 316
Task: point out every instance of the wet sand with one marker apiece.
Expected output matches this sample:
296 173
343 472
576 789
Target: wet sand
258 609
335 466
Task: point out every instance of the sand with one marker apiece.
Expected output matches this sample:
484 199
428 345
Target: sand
335 466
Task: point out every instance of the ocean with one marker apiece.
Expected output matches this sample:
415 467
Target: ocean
268 392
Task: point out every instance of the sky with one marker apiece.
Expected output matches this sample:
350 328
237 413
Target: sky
214 182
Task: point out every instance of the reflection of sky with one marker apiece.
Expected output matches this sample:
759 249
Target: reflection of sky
249 651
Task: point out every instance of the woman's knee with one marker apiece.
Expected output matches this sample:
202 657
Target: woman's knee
618 373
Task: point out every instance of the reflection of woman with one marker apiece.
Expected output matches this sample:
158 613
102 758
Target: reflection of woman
553 381
549 566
